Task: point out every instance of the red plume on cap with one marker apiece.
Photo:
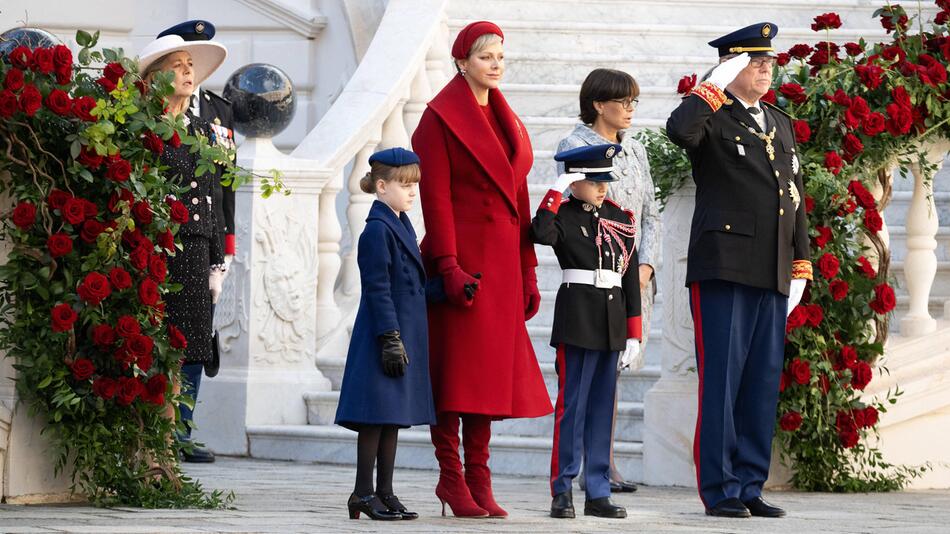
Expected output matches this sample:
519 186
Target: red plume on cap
468 35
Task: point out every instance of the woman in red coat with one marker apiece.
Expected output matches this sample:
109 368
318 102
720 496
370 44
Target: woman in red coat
475 156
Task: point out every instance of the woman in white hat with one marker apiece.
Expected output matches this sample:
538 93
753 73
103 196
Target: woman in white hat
197 267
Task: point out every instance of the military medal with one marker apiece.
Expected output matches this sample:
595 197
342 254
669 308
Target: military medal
769 149
795 164
793 194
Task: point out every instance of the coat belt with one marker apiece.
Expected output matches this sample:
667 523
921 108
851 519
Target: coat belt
603 278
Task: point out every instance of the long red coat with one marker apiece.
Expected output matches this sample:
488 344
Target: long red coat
476 207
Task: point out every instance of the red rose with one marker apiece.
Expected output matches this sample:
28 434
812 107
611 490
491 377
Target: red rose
30 100
129 390
874 124
8 103
862 195
790 421
89 158
74 211
114 71
859 107
873 221
82 108
858 416
871 75
800 371
179 213
142 212
139 345
122 195
120 278
802 131
793 92
828 21
62 56
809 204
154 143
770 97
58 102
838 289
21 57
43 60
900 119
861 375
815 315
103 336
901 97
145 362
175 338
166 240
853 49
175 140
848 439
62 317
783 382
57 199
139 258
867 268
148 292
106 84
782 59
870 416
155 389
24 215
833 162
840 97
94 288
82 369
64 75
104 387
686 84
13 80
157 269
796 319
59 244
91 230
118 169
823 237
844 421
127 326
800 51
893 17
884 299
852 146
849 356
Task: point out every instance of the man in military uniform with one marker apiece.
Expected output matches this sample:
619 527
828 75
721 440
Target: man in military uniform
596 319
747 265
216 110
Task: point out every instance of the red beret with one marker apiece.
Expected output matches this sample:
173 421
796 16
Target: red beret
468 35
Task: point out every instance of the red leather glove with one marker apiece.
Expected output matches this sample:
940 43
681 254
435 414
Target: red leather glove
460 287
532 297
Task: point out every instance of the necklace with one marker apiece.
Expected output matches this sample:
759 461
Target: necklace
769 149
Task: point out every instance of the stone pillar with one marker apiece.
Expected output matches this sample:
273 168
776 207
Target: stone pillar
267 326
670 405
356 213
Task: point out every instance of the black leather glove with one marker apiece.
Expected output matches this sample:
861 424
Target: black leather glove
394 355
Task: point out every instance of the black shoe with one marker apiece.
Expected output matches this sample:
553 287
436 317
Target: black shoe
372 507
760 508
602 507
197 455
392 502
622 486
729 508
562 506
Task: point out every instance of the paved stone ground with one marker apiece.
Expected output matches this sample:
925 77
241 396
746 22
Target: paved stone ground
293 497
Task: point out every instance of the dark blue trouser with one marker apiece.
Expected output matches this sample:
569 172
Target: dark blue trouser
192 375
583 417
740 340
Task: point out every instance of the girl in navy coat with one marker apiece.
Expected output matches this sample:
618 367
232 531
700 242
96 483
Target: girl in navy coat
386 382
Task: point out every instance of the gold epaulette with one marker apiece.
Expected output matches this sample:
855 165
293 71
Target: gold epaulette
710 94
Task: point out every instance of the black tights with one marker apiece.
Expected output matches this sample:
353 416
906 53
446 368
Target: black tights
376 445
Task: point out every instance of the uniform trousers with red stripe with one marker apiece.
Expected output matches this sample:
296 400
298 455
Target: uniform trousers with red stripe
740 340
583 417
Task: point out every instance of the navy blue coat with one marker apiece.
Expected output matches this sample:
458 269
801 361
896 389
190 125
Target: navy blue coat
393 283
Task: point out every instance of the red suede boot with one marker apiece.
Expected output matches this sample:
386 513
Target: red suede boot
476 433
452 488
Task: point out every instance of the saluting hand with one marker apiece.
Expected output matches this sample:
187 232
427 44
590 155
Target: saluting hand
566 179
727 71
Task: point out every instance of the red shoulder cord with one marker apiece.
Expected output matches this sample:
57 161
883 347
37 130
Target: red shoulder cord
613 231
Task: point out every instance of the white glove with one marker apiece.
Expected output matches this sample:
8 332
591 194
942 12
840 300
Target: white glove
227 266
567 179
215 282
631 357
723 75
795 292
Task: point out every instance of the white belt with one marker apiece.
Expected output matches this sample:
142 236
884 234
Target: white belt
603 278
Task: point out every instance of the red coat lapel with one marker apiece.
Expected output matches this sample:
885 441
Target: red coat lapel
458 109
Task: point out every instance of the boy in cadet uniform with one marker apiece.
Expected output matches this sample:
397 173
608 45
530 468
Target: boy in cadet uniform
596 321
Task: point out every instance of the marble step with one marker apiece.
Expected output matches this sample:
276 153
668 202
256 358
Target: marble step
321 409
510 455
854 13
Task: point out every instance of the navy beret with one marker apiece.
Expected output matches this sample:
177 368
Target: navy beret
755 39
595 161
192 30
395 157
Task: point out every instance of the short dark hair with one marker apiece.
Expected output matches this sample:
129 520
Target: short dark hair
602 85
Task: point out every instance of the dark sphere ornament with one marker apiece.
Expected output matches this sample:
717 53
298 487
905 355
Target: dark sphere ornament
31 38
262 98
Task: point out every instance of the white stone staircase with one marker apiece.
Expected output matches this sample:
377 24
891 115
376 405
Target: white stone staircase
550 47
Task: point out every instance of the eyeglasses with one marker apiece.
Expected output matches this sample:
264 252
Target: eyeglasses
627 103
758 62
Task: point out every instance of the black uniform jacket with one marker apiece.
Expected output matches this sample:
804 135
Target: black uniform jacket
216 111
746 227
584 315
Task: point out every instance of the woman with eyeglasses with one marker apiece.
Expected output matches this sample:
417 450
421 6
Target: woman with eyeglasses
608 99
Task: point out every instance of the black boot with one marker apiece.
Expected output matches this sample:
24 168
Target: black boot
371 506
392 502
602 507
562 506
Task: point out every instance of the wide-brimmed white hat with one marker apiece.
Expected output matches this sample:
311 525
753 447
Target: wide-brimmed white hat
207 56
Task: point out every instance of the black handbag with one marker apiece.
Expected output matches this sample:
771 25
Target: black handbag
212 368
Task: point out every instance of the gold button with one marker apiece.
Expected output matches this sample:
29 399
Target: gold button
776 174
738 138
728 227
781 192
781 211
